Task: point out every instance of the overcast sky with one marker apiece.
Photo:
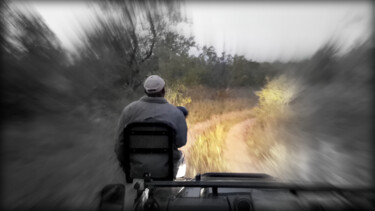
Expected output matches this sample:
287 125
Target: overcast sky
260 31
266 31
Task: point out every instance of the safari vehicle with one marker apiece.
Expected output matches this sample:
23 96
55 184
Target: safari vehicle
150 174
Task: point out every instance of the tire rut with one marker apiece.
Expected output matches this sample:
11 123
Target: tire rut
236 153
199 128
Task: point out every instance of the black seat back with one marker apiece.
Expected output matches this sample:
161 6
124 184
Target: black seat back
148 148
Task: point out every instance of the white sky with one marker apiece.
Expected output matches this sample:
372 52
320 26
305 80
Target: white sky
260 31
267 31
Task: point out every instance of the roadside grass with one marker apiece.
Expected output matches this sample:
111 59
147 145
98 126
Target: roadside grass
59 162
206 154
204 102
263 139
202 110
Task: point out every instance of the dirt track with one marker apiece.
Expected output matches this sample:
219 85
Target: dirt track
236 153
198 128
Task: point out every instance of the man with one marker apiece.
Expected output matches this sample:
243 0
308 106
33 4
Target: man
154 107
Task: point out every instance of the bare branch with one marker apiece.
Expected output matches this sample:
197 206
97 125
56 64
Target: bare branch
152 27
133 37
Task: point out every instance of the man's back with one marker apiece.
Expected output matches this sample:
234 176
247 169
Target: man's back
153 107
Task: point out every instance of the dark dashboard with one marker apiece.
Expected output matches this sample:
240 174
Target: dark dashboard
245 192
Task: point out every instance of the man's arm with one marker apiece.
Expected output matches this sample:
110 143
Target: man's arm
181 130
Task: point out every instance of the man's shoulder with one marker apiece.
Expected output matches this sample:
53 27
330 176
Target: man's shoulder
131 105
176 113
173 109
134 103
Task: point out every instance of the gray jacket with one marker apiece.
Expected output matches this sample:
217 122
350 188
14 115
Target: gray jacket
158 109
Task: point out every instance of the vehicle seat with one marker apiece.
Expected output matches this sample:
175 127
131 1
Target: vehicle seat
148 148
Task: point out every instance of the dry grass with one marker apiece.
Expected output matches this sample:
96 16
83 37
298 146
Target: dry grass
267 147
206 154
57 162
203 102
202 110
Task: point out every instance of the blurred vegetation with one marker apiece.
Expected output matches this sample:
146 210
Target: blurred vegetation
59 110
313 121
118 54
272 108
33 76
207 150
267 147
208 103
177 95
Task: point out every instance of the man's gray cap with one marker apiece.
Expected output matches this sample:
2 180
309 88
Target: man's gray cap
154 84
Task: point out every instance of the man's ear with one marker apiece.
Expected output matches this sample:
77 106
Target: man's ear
163 92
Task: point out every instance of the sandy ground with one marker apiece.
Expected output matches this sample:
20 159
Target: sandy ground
236 153
198 128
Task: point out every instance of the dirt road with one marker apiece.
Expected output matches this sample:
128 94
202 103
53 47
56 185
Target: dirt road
198 128
236 153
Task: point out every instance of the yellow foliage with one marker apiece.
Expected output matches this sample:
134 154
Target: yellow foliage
207 153
272 108
177 95
203 109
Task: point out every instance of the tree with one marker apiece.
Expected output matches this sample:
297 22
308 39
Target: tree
127 36
130 41
32 65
